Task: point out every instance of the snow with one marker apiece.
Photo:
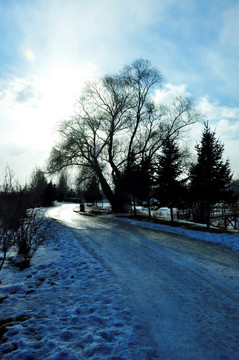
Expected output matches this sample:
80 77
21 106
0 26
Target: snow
69 311
109 288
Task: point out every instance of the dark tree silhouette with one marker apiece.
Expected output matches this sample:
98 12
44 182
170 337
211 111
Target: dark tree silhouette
169 168
139 180
93 193
38 186
210 175
62 187
49 194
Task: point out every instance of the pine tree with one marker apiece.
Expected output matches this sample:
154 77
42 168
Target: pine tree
138 179
130 180
38 186
146 181
210 175
62 187
169 168
49 195
93 193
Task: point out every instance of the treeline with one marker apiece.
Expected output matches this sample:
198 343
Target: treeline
176 182
131 145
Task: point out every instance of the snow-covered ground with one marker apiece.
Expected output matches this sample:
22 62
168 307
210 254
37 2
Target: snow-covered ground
108 288
63 307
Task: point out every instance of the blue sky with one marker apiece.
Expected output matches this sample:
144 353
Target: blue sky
49 48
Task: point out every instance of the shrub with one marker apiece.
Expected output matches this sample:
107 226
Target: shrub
33 232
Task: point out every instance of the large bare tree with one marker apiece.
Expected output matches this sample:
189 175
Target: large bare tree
116 117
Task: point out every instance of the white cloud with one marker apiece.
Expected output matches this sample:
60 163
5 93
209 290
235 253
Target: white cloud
215 111
227 129
19 90
224 118
168 93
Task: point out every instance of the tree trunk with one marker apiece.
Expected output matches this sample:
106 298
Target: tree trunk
116 199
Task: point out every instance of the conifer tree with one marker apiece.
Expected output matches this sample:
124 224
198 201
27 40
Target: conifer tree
93 193
210 175
139 180
130 179
38 186
168 186
49 195
62 187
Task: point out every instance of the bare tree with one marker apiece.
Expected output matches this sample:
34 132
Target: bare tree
117 118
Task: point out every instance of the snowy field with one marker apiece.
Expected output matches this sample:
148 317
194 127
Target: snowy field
114 289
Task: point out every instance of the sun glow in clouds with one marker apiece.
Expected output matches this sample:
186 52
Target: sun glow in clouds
29 55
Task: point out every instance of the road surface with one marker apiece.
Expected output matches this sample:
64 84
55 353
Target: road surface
184 293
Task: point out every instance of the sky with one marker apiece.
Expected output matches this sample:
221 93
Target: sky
50 48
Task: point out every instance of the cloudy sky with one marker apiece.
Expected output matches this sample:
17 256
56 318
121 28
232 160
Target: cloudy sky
49 48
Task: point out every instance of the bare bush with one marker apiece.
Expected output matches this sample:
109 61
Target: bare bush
34 231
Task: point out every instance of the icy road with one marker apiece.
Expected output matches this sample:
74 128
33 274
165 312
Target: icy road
184 294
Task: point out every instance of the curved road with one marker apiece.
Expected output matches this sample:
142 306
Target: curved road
184 293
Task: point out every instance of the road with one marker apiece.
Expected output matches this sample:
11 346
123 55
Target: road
184 293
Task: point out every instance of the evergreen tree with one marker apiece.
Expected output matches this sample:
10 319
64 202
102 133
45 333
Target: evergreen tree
49 194
210 175
62 187
145 181
168 187
38 186
93 193
139 180
130 180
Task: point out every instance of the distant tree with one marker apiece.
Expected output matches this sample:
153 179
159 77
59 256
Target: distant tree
8 185
145 181
138 180
38 186
169 168
210 175
62 186
130 178
49 195
93 193
83 179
